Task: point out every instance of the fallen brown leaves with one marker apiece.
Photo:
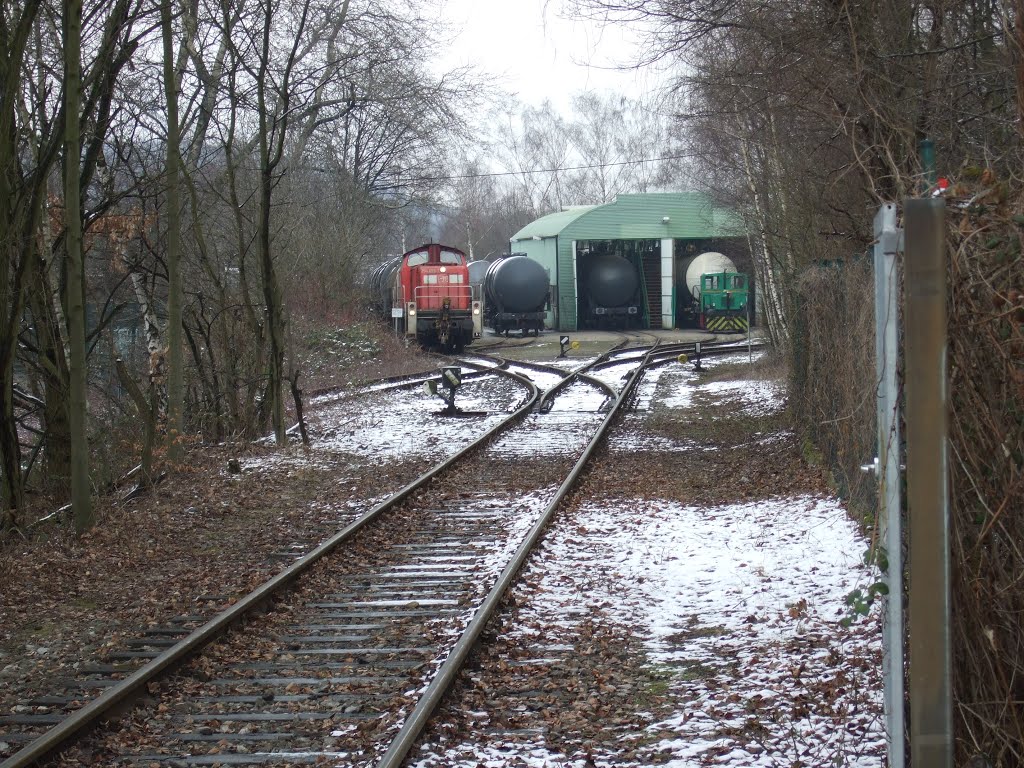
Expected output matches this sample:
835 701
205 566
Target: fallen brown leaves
190 547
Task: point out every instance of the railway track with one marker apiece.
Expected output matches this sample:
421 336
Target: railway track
349 664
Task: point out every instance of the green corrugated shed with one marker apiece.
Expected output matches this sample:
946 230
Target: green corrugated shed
553 223
651 216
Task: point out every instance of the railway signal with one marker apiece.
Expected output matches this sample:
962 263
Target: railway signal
450 381
696 357
566 345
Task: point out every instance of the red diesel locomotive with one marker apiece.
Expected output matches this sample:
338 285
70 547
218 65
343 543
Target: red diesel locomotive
428 295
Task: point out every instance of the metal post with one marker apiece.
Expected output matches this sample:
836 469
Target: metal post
750 349
575 290
926 148
887 244
925 351
667 288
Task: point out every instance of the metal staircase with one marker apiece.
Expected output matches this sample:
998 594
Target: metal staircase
650 275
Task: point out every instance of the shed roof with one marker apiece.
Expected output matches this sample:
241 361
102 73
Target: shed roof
639 216
553 223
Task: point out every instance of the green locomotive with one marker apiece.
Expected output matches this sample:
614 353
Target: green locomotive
721 299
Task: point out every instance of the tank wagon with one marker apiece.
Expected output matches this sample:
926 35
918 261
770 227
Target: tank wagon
477 270
516 295
612 292
427 294
719 293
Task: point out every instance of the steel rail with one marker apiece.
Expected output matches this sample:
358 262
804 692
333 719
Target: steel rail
117 696
714 349
664 353
388 384
708 349
566 377
505 342
449 670
399 380
508 362
385 382
546 399
120 695
581 374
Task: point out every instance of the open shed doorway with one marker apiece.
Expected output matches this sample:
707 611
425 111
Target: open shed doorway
618 284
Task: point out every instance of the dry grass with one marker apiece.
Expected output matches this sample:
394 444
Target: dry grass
986 311
833 398
833 388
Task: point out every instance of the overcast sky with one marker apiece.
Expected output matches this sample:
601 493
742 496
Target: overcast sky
540 54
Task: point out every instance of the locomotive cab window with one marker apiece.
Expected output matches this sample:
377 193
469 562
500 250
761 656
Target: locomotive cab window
447 257
416 259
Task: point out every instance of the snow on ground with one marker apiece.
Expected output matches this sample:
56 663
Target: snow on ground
615 375
738 607
576 427
571 363
679 387
521 513
755 398
396 425
741 605
543 379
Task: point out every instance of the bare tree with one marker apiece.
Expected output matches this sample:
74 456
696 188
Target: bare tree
535 146
21 195
77 401
32 132
278 101
606 146
597 131
175 365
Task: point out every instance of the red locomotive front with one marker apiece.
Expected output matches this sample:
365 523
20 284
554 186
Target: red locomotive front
436 298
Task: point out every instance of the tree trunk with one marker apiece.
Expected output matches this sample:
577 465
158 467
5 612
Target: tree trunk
147 410
19 206
275 313
212 421
244 414
1018 56
12 249
53 365
764 268
154 346
275 320
175 373
297 397
10 453
77 401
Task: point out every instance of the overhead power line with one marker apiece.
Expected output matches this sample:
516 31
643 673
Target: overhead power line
530 172
396 181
